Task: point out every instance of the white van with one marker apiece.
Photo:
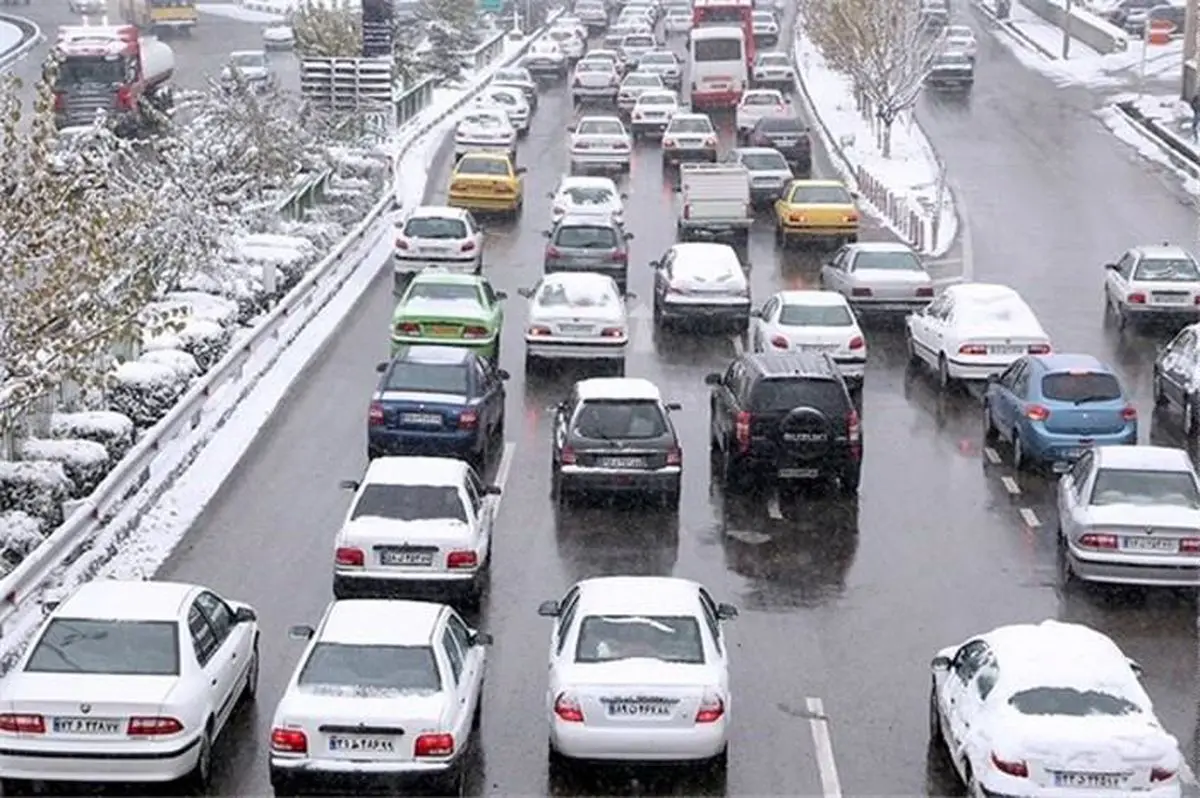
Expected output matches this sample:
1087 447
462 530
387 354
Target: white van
717 56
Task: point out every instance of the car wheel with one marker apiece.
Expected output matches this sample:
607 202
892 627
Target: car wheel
1019 459
780 237
1066 576
943 373
1157 391
669 499
911 346
250 690
1189 419
198 781
719 764
731 476
990 433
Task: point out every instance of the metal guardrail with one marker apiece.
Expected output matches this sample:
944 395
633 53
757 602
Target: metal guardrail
487 52
144 465
414 100
306 195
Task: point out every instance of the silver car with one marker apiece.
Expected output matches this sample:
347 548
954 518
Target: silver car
769 172
634 86
635 45
879 277
588 243
664 64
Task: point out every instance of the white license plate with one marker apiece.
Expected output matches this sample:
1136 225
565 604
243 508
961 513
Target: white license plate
402 557
691 142
798 473
367 745
638 709
1066 778
424 419
622 462
1150 544
87 726
575 329
1170 299
817 347
786 142
1006 350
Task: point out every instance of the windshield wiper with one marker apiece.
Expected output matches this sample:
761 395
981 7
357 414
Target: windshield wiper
1094 398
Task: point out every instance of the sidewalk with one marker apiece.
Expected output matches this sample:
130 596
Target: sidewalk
1160 129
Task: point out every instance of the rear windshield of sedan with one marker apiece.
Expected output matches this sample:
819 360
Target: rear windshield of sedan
1163 270
444 291
589 195
576 295
608 638
656 99
620 420
601 127
783 395
890 261
666 59
430 227
764 161
643 80
691 126
482 166
582 237
371 668
448 378
815 316
1071 702
410 503
1087 387
761 99
780 124
1146 488
821 195
123 648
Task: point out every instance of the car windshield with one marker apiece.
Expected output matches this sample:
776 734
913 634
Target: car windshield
780 124
691 125
761 99
888 261
782 395
952 59
821 195
1179 270
410 503
620 419
773 59
639 41
588 195
488 121
669 638
492 167
581 237
1145 488
815 316
576 295
367 668
444 291
122 648
764 162
594 66
449 378
656 99
1072 702
1080 387
243 60
601 127
435 227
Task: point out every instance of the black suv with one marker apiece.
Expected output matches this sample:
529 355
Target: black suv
789 414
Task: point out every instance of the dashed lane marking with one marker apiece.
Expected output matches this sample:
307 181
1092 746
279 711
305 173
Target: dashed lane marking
1010 485
502 471
1030 518
992 455
818 724
774 511
739 348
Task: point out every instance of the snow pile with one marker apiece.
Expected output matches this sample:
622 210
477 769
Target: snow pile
21 533
35 487
910 176
145 391
1172 118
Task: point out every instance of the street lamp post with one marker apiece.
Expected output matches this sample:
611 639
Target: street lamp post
1066 47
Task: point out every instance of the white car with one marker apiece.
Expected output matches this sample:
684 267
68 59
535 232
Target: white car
586 195
595 79
278 37
416 523
576 316
664 64
773 70
1153 282
545 57
1130 515
485 130
812 321
518 78
1046 710
765 25
879 277
678 20
689 136
756 104
600 142
569 41
635 45
633 86
701 280
571 23
594 15
251 66
127 681
438 237
611 56
639 672
653 112
960 39
384 689
974 330
511 100
768 169
87 7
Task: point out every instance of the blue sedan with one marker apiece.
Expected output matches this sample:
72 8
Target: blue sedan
1051 408
437 400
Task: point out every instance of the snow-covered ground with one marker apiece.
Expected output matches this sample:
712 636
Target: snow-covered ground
1173 115
10 37
911 172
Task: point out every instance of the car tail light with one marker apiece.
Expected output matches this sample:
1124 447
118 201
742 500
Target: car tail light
475 332
1011 767
289 741
552 252
434 745
860 292
925 292
670 145
152 726
1037 413
408 328
467 246
972 349
674 456
1097 540
613 332
1039 349
856 343
710 142
350 557
567 708
619 256
1161 774
537 329
854 434
1129 413
1137 298
401 243
1196 301
375 417
22 724
60 101
712 709
1190 545
779 342
851 218
468 419
462 559
567 456
741 430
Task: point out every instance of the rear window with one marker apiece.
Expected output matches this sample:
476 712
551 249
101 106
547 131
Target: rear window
1163 270
821 195
428 378
1089 387
410 503
589 195
764 161
580 237
717 50
1147 488
761 99
691 125
601 127
777 395
815 316
481 166
444 291
123 648
371 668
891 261
435 228
997 311
577 295
488 121
781 124
658 58
594 66
620 420
643 79
607 638
656 99
774 59
1071 702
639 41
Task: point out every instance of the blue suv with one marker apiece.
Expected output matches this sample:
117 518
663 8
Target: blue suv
1053 407
437 400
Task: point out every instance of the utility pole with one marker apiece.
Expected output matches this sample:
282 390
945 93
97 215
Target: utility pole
1066 26
1191 36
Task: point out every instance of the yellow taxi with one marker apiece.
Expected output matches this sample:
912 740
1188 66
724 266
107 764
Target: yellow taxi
816 210
487 181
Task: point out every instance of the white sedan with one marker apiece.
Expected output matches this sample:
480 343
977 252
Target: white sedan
879 277
545 58
765 25
485 130
757 104
127 682
576 316
639 672
587 195
569 40
600 142
960 39
678 20
385 690
773 70
511 100
974 330
518 78
278 37
653 111
1047 710
440 237
663 63
634 85
1152 282
812 321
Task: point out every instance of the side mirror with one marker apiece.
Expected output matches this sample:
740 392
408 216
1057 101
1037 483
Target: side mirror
1111 266
547 233
525 292
756 313
712 379
301 632
654 264
244 615
550 195
1136 667
855 195
549 609
570 128
629 236
629 295
381 367
520 170
503 374
481 639
491 490
349 484
501 295
940 663
726 612
672 406
624 196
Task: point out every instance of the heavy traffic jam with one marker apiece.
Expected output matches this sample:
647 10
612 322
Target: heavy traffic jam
137 681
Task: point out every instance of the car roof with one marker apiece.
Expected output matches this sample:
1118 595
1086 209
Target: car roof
1143 457
982 292
434 354
812 296
880 246
592 280
587 181
632 388
692 252
1070 361
639 595
1163 252
127 600
1056 654
435 471
385 622
437 212
445 277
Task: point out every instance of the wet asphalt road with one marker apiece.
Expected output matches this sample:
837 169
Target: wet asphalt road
844 602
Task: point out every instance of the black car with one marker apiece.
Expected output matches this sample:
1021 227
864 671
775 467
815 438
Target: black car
789 416
614 435
789 135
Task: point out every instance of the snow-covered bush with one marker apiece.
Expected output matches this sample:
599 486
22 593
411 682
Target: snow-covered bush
291 255
145 391
240 283
84 462
204 305
35 487
113 431
20 533
181 362
204 340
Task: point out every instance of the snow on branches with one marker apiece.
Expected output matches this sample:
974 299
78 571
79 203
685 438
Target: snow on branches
327 30
883 46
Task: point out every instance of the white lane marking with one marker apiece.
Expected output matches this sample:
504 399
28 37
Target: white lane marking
739 348
964 234
641 336
502 471
1030 518
774 511
992 455
818 724
1010 485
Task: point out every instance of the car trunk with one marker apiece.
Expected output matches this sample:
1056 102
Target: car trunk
569 257
406 546
421 412
820 215
893 285
1166 293
1170 525
1110 754
1088 418
811 338
633 454
582 322
639 694
367 727
88 707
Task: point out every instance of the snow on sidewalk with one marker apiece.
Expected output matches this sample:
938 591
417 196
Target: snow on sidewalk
1174 117
912 172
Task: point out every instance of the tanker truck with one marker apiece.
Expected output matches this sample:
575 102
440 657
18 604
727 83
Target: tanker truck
114 70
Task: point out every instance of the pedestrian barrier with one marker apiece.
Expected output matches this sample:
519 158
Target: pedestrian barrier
1181 152
150 467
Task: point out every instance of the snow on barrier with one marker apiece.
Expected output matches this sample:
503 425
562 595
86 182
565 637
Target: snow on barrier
31 36
1099 34
150 467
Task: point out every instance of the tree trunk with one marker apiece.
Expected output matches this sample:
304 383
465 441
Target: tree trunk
885 146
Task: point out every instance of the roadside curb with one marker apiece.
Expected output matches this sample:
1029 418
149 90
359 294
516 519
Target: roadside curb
31 36
1012 31
1176 149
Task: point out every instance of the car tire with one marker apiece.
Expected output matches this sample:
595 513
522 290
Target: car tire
945 381
731 474
618 368
250 690
199 779
1066 576
719 764
1188 419
1157 391
990 433
913 358
1020 461
669 498
780 237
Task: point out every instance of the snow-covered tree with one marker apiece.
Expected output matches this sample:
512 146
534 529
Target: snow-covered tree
458 18
882 46
408 39
327 30
443 59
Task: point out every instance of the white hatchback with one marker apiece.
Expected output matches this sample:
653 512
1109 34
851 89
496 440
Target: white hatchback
576 316
639 672
485 130
812 321
757 104
587 195
511 100
440 237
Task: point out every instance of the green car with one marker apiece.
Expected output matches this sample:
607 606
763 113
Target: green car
441 307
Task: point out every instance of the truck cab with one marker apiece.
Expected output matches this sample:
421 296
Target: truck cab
109 70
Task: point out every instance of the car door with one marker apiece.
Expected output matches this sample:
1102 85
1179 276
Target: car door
709 608
1179 367
1071 486
482 509
834 274
723 399
480 389
997 396
954 700
1013 397
463 708
559 637
926 328
232 655
206 647
474 231
662 274
1116 281
474 661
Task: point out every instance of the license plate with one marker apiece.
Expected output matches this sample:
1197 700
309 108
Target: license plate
368 745
87 726
1006 350
441 329
798 473
784 142
817 347
1170 299
403 557
1066 778
1150 544
575 329
424 419
622 462
690 142
638 709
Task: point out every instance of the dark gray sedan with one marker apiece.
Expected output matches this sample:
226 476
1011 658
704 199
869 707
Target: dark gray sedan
587 243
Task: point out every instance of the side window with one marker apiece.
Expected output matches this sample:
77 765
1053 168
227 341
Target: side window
219 616
1021 383
479 376
453 653
768 310
1080 473
731 374
472 225
460 632
844 261
937 308
1125 265
985 680
474 496
474 483
570 605
710 617
1181 344
203 640
969 659
488 293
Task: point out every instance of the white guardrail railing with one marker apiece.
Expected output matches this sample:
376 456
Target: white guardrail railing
139 473
31 36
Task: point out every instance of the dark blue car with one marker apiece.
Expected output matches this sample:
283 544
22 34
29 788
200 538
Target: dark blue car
437 400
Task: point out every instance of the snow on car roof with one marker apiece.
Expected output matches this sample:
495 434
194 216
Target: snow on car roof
380 622
438 354
632 388
434 471
705 258
993 310
880 246
1143 457
126 600
437 212
639 595
587 181
812 298
587 281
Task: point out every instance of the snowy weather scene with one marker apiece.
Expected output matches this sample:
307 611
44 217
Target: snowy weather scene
579 397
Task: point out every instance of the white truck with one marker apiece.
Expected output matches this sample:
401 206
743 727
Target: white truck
714 201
